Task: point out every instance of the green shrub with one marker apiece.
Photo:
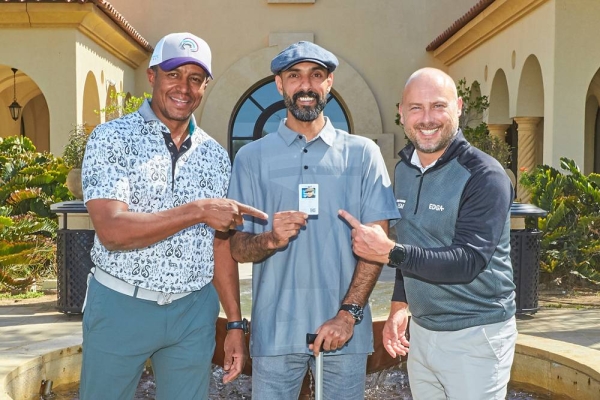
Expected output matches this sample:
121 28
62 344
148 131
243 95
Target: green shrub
571 241
29 183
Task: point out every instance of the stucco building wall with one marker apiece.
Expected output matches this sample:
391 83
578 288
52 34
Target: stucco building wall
24 49
383 41
539 58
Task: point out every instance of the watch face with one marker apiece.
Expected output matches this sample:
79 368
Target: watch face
355 310
397 255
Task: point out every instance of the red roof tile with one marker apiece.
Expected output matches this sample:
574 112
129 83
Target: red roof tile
107 9
459 24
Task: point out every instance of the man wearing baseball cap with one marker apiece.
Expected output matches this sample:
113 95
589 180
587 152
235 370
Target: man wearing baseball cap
154 186
305 278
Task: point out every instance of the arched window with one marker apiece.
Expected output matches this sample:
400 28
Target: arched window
261 109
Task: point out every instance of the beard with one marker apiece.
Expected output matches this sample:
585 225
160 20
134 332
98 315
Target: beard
448 131
304 113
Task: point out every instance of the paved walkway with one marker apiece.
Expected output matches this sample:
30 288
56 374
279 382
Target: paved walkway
27 330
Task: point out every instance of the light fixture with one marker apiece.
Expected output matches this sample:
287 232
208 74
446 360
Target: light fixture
15 108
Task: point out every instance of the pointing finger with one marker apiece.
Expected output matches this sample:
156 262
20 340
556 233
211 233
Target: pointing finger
354 223
247 210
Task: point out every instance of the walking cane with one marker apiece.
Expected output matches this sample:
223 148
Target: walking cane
310 339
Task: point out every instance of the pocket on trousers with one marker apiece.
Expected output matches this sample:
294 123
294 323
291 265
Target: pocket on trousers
94 301
500 339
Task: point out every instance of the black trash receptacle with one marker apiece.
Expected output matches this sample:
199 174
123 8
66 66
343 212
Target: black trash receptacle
72 258
525 258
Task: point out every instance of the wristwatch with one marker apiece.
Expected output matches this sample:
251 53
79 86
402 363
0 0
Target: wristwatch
397 255
243 325
355 310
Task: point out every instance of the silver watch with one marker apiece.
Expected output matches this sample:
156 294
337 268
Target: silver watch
355 310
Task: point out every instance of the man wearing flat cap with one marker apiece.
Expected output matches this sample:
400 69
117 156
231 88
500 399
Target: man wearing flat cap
154 186
305 278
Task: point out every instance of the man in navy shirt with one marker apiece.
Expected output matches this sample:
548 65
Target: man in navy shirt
453 260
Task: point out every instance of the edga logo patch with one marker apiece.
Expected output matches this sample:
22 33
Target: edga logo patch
436 207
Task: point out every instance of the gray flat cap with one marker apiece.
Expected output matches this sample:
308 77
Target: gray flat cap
301 52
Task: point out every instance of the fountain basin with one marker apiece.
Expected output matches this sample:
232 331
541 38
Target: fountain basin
563 369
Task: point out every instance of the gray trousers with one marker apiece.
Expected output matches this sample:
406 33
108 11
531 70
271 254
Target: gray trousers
469 364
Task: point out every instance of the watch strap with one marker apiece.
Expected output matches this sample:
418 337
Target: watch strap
243 325
354 309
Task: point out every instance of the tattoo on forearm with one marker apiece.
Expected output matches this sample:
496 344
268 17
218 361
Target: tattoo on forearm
247 247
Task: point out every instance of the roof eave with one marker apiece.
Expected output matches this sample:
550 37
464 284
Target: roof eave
482 22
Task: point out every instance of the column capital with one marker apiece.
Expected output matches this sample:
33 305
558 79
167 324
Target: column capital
527 123
498 130
499 126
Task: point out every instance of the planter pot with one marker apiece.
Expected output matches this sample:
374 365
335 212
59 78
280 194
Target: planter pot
74 183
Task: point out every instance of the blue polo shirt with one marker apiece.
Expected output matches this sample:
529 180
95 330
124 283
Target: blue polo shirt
301 286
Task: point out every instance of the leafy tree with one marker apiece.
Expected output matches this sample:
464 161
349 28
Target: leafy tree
122 104
75 148
474 108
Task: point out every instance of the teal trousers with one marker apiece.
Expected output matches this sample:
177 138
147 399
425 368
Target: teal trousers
120 333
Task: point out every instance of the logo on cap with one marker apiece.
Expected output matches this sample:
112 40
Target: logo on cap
188 43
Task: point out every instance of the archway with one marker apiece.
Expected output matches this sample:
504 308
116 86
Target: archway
261 109
499 122
91 102
530 117
530 98
591 155
354 94
498 113
112 103
34 121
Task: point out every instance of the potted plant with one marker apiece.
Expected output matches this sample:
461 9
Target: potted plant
73 158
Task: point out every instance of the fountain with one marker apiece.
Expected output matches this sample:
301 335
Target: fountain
563 369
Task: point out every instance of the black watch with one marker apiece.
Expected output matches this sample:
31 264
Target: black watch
355 310
397 255
243 325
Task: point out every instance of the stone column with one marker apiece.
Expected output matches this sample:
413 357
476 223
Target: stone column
498 130
527 151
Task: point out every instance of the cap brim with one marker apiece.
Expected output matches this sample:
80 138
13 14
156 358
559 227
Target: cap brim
179 61
312 60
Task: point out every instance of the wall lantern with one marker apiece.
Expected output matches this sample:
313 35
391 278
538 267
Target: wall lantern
15 108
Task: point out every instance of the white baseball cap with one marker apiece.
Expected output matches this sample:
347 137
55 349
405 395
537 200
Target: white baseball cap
177 49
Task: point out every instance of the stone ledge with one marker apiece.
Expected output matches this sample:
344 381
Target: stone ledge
562 368
22 369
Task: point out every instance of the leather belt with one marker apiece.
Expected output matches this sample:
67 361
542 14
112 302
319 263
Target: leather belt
118 285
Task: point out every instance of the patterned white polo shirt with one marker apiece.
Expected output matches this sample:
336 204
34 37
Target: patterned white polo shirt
128 159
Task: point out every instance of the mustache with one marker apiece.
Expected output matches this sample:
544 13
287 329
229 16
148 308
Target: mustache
310 93
426 126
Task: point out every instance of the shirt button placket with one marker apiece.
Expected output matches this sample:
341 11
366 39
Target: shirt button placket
304 150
